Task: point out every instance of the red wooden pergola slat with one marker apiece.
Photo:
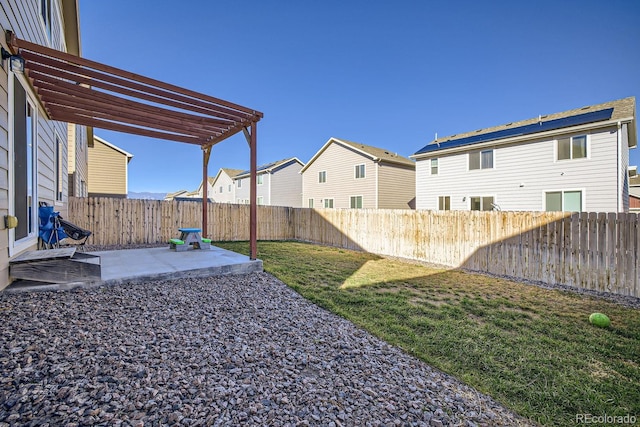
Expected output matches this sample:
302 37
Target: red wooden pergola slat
77 90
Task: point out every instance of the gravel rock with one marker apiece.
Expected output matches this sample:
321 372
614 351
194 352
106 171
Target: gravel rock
228 350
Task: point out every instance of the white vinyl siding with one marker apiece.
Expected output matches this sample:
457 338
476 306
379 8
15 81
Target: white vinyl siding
526 170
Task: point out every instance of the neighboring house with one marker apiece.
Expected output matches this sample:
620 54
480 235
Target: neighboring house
108 166
278 184
180 193
34 150
576 160
634 193
221 187
344 174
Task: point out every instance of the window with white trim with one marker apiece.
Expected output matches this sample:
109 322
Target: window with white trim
444 203
567 201
45 14
260 200
482 203
311 203
221 189
481 160
328 203
239 183
574 147
356 202
322 176
434 166
260 179
360 171
229 189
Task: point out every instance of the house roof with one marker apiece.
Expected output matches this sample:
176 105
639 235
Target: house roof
269 167
374 153
613 111
230 173
114 147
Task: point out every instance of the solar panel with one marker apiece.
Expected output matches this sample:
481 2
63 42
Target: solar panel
579 119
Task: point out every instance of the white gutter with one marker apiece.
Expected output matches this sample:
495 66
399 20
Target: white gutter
521 138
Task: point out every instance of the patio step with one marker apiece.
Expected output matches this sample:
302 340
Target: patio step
63 265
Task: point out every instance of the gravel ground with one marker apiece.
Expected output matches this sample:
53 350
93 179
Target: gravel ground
229 350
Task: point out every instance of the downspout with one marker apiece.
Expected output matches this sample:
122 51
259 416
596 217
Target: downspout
377 164
619 144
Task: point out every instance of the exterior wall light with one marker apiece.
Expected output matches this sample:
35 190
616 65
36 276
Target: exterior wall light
16 62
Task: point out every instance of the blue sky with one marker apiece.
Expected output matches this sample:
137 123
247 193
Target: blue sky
390 74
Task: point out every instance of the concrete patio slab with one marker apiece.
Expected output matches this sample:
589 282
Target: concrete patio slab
140 265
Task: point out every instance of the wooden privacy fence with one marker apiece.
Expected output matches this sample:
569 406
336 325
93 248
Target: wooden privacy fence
597 251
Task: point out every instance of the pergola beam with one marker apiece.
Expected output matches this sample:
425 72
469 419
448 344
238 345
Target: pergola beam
77 90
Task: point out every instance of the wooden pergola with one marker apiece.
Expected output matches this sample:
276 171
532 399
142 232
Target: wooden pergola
77 90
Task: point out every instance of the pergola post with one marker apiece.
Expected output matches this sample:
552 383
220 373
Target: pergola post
253 207
206 153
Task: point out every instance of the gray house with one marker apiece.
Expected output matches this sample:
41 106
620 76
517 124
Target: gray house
278 184
576 160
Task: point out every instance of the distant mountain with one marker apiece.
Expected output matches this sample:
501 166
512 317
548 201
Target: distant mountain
146 195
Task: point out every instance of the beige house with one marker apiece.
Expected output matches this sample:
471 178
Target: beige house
221 188
108 166
345 174
34 150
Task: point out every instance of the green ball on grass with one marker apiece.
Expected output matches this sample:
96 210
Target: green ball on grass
599 320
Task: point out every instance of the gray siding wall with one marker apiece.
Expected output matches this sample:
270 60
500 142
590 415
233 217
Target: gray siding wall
286 186
242 192
396 186
23 18
339 162
522 174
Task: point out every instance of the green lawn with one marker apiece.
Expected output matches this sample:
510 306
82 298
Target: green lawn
532 349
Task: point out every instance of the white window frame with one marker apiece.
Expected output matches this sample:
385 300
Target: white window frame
587 140
325 203
351 200
239 183
310 203
360 171
229 189
47 19
444 198
31 239
260 179
322 177
479 152
481 202
260 200
568 190
431 166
